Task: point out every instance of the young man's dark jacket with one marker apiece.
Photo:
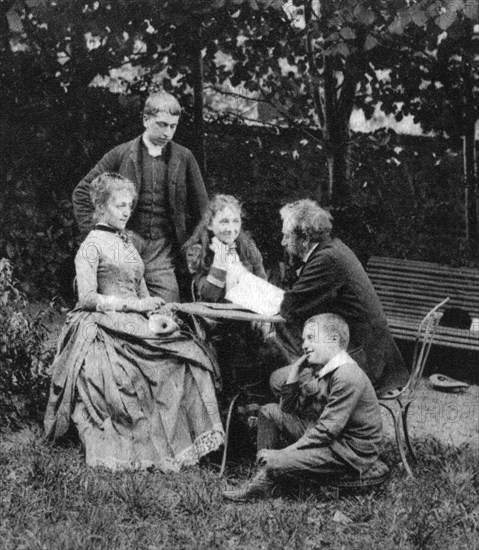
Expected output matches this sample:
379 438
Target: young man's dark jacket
186 193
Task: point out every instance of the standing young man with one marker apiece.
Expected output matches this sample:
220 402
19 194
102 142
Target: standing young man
328 421
171 194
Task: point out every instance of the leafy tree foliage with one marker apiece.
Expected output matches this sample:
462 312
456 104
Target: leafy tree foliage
435 77
55 124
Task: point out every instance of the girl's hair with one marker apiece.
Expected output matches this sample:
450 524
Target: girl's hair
103 187
201 235
220 202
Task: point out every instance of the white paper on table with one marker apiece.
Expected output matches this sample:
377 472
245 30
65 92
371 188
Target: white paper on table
256 294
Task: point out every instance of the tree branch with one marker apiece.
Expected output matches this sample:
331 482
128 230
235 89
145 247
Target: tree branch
313 69
5 6
271 125
267 101
235 94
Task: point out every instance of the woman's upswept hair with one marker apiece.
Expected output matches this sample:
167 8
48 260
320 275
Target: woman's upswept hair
104 185
307 219
161 102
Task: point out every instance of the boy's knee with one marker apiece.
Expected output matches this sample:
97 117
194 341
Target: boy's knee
278 379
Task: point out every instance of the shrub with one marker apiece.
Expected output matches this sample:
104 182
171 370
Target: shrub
38 235
24 355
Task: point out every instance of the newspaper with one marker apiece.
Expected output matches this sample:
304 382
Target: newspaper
256 294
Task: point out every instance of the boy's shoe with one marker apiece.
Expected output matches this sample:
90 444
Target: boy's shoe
260 486
376 474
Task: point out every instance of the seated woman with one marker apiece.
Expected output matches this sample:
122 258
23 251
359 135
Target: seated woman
221 251
138 399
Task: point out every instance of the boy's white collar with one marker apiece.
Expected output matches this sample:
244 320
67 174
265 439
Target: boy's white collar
340 359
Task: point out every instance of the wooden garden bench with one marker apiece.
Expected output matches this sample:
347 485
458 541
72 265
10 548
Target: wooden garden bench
408 289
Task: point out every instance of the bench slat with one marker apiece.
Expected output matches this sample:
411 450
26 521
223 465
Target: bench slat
427 267
447 332
457 289
423 288
405 291
473 278
400 302
409 337
407 279
408 289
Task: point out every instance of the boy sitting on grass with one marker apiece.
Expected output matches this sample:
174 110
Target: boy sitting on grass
328 414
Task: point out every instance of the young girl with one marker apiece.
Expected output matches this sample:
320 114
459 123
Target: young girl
137 399
221 251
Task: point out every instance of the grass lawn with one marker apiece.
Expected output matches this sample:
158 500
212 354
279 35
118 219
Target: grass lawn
51 500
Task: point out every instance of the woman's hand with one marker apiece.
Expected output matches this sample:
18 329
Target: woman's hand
150 304
221 251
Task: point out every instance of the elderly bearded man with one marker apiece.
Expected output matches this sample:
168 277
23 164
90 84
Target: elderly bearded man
332 280
171 194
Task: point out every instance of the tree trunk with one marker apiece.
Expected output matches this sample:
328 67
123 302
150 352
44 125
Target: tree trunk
199 122
337 109
336 143
329 92
470 162
338 163
470 187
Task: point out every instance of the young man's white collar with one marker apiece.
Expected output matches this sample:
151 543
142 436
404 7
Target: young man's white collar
153 150
339 359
